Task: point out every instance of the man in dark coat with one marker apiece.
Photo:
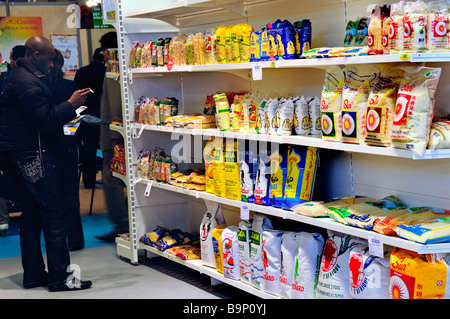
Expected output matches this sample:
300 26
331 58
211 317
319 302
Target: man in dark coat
31 128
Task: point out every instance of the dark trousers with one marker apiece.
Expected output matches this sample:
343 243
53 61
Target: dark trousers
88 137
42 210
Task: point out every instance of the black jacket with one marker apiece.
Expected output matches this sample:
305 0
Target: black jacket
91 76
28 108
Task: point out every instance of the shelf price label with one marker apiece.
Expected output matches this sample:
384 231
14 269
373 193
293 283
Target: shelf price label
148 188
257 72
245 212
375 246
405 57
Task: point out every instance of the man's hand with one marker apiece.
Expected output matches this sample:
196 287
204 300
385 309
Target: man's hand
78 97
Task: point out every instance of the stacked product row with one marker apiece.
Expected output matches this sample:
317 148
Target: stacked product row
308 263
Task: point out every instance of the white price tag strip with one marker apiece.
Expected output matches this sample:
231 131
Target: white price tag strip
376 246
130 76
138 135
245 212
257 72
148 188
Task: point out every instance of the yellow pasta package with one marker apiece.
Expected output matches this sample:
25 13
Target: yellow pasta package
245 41
222 112
234 44
221 56
232 171
415 276
217 246
218 166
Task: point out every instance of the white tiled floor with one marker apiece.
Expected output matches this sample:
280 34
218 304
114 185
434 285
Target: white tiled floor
114 278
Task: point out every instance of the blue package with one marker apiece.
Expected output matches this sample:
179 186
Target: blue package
302 37
255 46
278 173
286 40
248 154
263 191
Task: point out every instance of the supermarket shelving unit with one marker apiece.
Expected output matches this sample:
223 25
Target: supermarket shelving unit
356 169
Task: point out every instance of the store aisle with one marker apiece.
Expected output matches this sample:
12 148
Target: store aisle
115 278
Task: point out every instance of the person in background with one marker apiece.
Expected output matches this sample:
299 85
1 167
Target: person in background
61 89
111 110
31 129
16 52
88 135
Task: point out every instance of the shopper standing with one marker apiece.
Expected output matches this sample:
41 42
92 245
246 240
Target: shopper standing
88 135
31 127
16 52
62 89
111 110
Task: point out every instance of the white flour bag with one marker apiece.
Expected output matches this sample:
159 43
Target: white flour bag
245 271
307 265
301 116
212 218
260 223
414 108
369 275
288 253
230 252
272 260
334 270
315 118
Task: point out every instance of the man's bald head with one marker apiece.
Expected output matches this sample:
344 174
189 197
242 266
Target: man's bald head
40 52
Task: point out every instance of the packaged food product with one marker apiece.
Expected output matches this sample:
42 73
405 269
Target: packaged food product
354 103
437 231
369 274
333 281
278 173
222 111
414 23
360 39
273 43
265 47
263 191
286 114
208 152
259 225
199 49
248 155
230 252
350 33
396 29
415 276
236 111
319 208
288 254
315 117
232 171
221 56
211 219
152 237
133 50
255 47
307 265
139 55
302 123
331 104
146 55
415 108
260 125
217 245
245 228
302 36
245 41
234 39
272 260
375 31
301 173
228 47
285 40
210 45
218 164
439 135
385 15
272 116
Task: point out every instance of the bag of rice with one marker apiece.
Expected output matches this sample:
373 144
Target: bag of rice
248 155
437 26
301 174
415 108
222 111
414 276
230 252
259 225
272 260
245 40
245 270
396 30
260 125
209 171
320 208
286 114
278 173
263 191
272 116
307 265
414 23
218 166
334 269
232 171
220 36
315 118
439 135
288 253
302 122
211 219
369 275
331 104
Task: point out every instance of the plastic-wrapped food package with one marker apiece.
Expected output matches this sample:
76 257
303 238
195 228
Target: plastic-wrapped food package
302 123
414 23
230 252
211 219
278 173
259 225
437 26
334 272
263 191
307 265
288 253
272 260
248 154
439 135
245 271
396 30
217 246
369 275
331 104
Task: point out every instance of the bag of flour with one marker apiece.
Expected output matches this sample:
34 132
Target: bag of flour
230 252
245 271
211 219
307 264
272 260
288 253
260 223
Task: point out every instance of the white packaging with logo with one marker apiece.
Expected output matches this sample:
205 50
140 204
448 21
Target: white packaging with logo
245 270
369 275
260 223
230 252
272 260
212 218
307 264
288 252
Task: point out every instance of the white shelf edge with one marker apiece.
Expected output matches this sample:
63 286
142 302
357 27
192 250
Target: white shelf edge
326 222
303 141
198 266
300 63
